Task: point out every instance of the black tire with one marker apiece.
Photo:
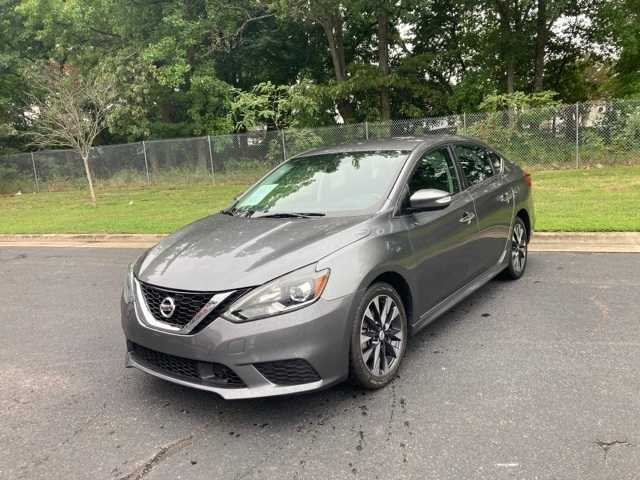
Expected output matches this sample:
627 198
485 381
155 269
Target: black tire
518 251
390 345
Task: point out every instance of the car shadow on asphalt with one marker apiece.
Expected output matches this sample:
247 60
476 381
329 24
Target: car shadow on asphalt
288 411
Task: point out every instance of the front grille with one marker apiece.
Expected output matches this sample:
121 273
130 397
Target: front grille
205 373
187 303
288 372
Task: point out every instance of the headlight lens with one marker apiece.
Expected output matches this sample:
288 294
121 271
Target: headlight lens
127 289
285 294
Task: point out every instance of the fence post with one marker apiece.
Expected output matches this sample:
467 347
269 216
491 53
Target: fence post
35 173
213 175
284 146
366 130
577 134
464 123
146 165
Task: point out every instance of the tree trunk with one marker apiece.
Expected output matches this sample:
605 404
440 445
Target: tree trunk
333 30
510 82
244 144
541 41
87 171
507 34
335 38
383 62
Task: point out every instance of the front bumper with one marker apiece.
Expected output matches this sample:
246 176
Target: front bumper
318 334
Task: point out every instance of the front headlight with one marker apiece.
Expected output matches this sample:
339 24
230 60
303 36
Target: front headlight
127 289
285 294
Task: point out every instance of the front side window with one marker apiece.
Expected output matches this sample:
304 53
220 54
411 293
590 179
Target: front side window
475 163
336 183
435 170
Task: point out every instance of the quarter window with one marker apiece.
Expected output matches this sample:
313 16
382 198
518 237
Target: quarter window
435 170
496 161
475 162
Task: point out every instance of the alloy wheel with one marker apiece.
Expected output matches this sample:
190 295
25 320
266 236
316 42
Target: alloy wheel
518 247
381 335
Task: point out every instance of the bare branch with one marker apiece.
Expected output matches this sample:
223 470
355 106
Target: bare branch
71 110
240 30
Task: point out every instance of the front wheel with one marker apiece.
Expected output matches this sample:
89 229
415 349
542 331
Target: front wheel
518 251
378 337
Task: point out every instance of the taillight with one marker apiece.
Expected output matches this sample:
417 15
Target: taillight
527 178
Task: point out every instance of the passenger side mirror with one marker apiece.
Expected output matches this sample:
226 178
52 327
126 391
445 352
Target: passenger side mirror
429 199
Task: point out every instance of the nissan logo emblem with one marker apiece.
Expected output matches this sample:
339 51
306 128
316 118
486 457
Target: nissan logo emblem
167 307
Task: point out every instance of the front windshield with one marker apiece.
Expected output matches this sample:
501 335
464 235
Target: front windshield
334 183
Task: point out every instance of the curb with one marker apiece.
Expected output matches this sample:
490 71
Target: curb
81 240
605 242
609 242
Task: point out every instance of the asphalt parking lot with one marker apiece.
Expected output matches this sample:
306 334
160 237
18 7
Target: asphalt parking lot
537 379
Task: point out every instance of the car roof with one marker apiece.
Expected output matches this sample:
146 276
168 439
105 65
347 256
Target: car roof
382 144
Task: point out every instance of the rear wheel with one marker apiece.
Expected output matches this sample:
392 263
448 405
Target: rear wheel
378 337
518 251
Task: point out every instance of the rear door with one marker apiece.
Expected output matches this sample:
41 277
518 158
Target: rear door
441 239
493 199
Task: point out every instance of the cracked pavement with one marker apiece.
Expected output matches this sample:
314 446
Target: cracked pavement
532 379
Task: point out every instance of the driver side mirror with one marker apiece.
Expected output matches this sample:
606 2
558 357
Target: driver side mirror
429 199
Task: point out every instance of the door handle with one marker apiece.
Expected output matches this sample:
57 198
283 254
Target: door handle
467 218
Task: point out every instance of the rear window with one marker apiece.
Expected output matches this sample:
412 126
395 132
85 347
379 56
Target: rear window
475 161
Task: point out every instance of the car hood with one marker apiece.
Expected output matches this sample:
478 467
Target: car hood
224 252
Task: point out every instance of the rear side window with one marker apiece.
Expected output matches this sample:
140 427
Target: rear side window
435 170
475 162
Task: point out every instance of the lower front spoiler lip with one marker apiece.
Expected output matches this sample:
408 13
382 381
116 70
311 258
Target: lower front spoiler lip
233 393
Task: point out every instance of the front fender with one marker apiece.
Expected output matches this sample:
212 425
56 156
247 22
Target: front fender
355 267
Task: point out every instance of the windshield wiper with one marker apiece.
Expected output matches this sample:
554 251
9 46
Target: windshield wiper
228 211
291 215
236 212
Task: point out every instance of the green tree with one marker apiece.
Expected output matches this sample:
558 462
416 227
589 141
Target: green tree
618 25
195 67
330 16
276 106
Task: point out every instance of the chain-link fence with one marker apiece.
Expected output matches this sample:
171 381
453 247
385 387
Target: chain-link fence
567 136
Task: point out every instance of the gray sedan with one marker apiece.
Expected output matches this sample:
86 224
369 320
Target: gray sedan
322 270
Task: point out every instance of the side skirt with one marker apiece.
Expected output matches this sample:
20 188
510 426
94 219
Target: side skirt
456 297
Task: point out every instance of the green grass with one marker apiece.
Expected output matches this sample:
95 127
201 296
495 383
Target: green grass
595 200
605 199
141 210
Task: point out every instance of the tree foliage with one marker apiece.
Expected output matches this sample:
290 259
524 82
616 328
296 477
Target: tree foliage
518 101
196 67
275 106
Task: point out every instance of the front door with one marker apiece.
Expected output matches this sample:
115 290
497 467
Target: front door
441 240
